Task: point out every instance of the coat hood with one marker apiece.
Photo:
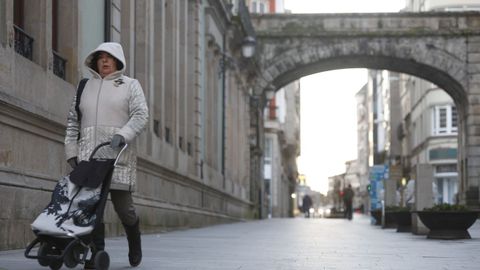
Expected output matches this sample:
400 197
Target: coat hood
114 49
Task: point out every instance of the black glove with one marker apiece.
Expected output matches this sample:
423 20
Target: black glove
73 162
117 142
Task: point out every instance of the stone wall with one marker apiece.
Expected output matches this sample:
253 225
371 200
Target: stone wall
442 48
175 188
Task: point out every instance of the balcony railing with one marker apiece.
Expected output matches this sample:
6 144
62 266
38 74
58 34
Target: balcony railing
23 43
59 65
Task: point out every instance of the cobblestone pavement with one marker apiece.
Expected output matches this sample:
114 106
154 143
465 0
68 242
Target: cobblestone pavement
288 244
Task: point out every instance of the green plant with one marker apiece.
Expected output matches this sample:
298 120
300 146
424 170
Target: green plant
447 207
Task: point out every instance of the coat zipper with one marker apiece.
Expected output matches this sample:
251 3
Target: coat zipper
96 113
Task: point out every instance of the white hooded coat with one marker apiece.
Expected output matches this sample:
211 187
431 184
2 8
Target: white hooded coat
111 105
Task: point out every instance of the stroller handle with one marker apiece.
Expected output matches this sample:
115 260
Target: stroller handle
105 144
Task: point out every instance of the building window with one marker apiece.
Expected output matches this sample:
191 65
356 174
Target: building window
180 142
167 135
267 160
444 120
3 24
59 63
55 25
113 13
272 109
454 118
254 7
446 180
18 13
156 127
23 41
189 149
268 150
262 8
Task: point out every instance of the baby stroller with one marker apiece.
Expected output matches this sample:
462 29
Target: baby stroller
64 230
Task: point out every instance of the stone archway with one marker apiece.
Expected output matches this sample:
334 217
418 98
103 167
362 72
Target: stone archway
443 48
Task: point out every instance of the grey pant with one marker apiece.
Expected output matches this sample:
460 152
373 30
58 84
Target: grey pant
123 205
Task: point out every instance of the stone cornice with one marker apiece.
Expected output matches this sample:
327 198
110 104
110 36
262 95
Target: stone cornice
367 24
220 14
31 122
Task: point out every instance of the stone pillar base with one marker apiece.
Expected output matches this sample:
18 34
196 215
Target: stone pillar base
417 226
472 199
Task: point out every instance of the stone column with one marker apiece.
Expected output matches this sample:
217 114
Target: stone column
470 159
395 174
423 195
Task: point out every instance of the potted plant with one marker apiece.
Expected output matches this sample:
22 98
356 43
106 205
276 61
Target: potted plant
390 221
447 221
403 218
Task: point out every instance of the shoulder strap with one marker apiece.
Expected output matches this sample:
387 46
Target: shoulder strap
81 85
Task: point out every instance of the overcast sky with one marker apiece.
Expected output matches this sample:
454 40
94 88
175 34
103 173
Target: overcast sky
328 107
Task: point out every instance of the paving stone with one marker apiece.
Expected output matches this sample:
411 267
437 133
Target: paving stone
295 243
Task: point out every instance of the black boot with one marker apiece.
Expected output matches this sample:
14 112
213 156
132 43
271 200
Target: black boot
134 243
98 240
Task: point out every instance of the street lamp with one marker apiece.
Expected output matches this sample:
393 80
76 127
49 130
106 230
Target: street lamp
248 46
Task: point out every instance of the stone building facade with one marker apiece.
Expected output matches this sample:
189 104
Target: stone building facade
282 147
282 135
363 110
194 165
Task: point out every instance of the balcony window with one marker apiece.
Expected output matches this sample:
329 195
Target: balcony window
59 65
167 135
23 43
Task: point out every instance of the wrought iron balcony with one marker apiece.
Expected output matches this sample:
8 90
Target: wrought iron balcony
59 65
23 43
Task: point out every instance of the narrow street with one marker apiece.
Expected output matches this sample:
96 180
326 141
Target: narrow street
288 244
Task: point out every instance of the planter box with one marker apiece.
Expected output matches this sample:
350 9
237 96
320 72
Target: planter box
390 221
377 215
448 225
403 220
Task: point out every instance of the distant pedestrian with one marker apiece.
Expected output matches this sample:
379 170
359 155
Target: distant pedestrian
306 205
348 200
410 194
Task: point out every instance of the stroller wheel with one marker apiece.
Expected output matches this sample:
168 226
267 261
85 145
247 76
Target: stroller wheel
102 260
43 251
73 256
55 265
